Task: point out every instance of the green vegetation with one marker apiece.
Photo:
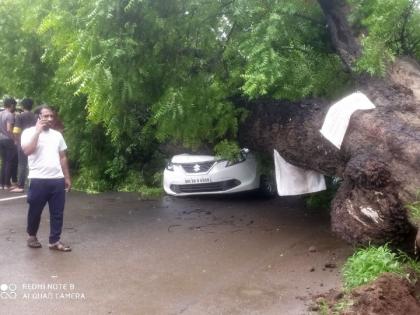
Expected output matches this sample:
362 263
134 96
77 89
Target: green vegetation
414 209
322 199
227 150
367 264
324 308
129 75
388 28
336 309
363 267
341 306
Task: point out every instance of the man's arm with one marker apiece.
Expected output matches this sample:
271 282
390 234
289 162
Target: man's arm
17 129
65 168
9 126
29 147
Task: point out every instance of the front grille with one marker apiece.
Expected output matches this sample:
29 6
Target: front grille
201 167
206 187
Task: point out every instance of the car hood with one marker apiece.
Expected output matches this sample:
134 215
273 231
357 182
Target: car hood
189 158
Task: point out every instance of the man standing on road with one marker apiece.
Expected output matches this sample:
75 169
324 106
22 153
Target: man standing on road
49 178
7 145
24 120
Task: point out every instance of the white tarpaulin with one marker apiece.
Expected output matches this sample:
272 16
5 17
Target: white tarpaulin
293 180
338 116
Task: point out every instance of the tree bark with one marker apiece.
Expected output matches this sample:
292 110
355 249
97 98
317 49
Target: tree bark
379 160
341 34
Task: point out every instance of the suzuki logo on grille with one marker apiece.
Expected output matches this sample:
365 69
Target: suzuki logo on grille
196 168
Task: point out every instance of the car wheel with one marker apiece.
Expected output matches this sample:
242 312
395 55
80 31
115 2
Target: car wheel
267 186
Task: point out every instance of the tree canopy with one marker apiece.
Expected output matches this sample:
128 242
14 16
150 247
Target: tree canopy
128 75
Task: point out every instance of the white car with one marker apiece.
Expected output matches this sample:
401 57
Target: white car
187 174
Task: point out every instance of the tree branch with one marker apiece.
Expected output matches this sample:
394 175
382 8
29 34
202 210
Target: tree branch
341 34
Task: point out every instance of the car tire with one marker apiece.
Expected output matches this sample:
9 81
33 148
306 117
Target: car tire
267 187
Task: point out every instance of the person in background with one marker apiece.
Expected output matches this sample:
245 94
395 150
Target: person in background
49 178
23 121
14 163
7 144
57 124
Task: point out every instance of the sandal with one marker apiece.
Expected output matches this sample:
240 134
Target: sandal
17 190
33 242
60 247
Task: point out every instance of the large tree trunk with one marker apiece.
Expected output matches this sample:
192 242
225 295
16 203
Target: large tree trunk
379 160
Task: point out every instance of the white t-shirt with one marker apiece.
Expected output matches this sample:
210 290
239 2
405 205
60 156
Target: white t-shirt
45 161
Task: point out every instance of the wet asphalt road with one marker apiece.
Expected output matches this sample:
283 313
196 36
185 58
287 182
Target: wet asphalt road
238 255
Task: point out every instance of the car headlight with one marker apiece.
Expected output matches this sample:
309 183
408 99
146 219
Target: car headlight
170 166
243 153
238 160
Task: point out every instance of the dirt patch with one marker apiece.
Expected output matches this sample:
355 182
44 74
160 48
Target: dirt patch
387 295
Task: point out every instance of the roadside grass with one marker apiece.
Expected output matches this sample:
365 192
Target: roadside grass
133 182
414 209
342 305
338 308
366 265
90 187
324 308
150 192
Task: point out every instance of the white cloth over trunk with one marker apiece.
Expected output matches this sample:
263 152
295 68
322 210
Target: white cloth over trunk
338 116
293 180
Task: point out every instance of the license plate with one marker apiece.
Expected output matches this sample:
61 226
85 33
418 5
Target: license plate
199 180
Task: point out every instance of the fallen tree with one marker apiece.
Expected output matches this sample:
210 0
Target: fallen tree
136 73
379 160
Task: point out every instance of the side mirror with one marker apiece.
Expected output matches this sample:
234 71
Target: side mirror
244 152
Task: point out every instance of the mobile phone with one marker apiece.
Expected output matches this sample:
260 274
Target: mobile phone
43 127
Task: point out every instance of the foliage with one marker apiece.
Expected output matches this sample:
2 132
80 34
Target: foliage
411 265
414 209
336 309
387 28
227 150
90 181
147 192
323 307
367 264
135 183
285 50
128 75
22 72
342 305
322 199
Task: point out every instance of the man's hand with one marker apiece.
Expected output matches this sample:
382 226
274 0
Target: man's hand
40 125
67 184
65 169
